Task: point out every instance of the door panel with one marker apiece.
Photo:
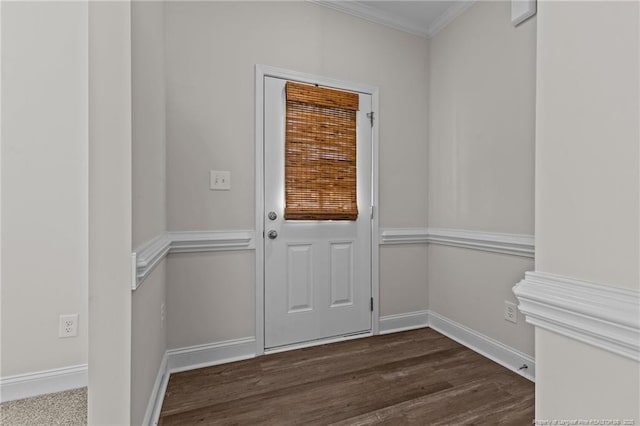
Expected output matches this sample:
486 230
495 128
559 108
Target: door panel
317 273
300 277
341 274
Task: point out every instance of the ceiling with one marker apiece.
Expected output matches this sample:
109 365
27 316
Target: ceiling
423 18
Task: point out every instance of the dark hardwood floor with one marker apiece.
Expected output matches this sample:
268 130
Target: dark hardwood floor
417 377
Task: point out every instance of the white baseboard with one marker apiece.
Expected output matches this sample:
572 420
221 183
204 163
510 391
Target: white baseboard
404 322
191 358
201 356
504 355
41 382
152 414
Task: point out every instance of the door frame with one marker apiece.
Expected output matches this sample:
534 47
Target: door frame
263 71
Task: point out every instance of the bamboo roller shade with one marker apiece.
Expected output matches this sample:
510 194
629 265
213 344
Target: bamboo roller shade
320 153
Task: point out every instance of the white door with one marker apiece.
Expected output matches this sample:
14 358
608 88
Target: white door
317 273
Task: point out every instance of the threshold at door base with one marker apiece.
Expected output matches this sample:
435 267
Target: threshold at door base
319 342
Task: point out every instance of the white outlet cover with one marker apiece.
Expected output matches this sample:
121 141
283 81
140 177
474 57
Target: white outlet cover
511 312
68 325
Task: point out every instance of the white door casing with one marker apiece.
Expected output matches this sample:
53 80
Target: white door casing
317 274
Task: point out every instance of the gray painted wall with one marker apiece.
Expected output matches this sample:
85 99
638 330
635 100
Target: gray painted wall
44 184
587 192
482 74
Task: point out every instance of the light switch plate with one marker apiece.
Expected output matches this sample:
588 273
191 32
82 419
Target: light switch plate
219 180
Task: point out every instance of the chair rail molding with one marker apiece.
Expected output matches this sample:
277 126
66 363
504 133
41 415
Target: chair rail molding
513 244
150 254
147 256
194 242
404 235
600 315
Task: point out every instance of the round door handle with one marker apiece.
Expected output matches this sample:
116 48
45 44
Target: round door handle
273 234
272 216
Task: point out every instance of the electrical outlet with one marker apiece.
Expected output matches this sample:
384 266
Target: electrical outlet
219 180
510 312
68 325
162 315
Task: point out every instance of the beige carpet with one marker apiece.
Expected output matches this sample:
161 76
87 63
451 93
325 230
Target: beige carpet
63 408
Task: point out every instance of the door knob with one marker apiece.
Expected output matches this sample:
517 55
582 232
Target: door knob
273 234
272 216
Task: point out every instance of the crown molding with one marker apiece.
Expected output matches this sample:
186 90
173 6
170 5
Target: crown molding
600 315
455 10
372 14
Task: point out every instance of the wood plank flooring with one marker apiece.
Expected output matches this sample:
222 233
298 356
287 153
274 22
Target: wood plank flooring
416 377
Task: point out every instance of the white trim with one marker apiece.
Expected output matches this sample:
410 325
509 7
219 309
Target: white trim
319 342
404 322
521 10
200 356
205 241
455 10
134 270
27 385
148 256
191 358
263 71
600 315
404 236
498 352
151 253
152 414
269 71
375 220
513 244
372 14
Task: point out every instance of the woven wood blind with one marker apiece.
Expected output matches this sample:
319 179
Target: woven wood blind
320 153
